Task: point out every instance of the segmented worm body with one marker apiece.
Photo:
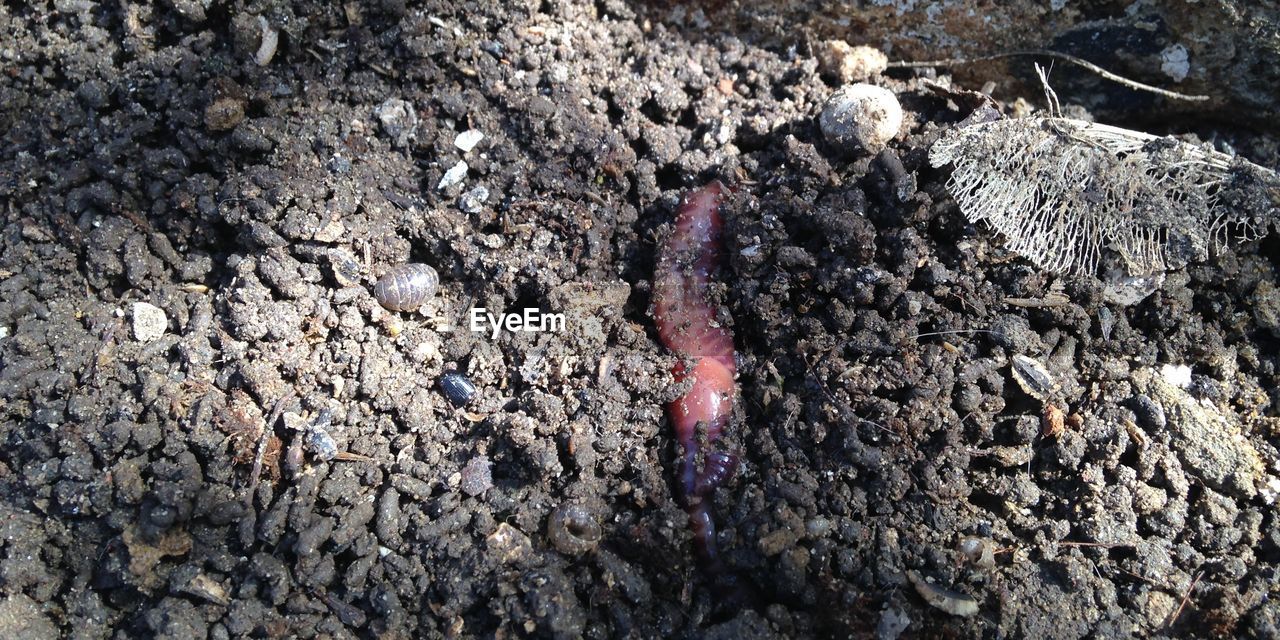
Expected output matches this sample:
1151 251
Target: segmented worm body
687 325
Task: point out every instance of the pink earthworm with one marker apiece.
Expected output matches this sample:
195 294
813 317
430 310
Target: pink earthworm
687 325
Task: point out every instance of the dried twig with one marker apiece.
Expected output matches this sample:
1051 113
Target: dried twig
1132 84
265 437
1101 545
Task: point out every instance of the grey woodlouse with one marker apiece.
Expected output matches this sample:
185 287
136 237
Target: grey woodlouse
406 287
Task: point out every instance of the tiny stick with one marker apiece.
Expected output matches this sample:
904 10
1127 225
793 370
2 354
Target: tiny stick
1132 84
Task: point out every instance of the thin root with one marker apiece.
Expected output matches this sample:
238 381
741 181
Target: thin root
1132 84
1185 597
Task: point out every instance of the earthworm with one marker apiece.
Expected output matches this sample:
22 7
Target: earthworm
687 325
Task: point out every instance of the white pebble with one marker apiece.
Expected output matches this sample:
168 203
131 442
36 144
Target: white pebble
1177 375
149 322
453 176
467 140
863 115
850 64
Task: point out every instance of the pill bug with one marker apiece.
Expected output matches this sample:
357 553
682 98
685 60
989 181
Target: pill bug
457 388
406 287
1033 377
573 530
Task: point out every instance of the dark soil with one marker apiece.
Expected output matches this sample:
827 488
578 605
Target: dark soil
148 158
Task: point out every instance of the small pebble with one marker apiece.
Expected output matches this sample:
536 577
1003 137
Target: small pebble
473 200
455 175
1177 375
149 322
318 440
223 114
848 64
476 476
457 388
861 115
345 267
339 164
509 543
1149 413
467 140
398 119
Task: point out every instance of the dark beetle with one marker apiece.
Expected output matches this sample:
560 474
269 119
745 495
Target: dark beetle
405 287
457 388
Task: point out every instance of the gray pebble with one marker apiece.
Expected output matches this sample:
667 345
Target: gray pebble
473 200
398 119
1150 415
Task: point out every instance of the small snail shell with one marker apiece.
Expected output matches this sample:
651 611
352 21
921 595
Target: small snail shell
573 530
862 115
406 287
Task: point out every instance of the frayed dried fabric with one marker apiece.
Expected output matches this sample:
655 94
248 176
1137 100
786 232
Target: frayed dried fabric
1065 192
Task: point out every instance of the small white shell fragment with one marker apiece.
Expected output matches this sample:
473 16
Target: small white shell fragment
1178 375
977 551
861 115
1126 290
149 322
453 176
953 602
467 140
267 46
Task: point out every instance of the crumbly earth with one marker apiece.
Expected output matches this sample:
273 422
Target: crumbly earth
163 153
